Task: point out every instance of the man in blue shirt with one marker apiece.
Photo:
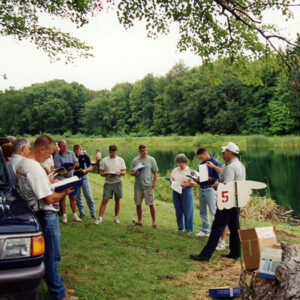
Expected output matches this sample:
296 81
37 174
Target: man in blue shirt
85 166
60 159
207 193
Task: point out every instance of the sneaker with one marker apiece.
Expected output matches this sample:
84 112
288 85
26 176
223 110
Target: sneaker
99 221
179 230
116 220
221 245
64 219
70 297
76 219
202 234
81 216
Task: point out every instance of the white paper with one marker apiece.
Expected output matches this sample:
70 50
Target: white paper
194 174
176 186
65 181
203 173
138 167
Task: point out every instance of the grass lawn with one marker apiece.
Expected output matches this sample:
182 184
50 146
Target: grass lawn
124 262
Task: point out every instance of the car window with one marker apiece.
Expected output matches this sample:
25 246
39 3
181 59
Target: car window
3 176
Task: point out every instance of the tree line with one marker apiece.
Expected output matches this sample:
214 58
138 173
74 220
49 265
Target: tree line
252 97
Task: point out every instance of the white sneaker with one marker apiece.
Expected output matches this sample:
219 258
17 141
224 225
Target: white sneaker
99 221
202 234
64 219
76 219
116 220
221 245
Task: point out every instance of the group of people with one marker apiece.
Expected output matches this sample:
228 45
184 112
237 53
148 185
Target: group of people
33 170
113 168
224 220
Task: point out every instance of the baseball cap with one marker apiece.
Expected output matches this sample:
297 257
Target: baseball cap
223 149
232 147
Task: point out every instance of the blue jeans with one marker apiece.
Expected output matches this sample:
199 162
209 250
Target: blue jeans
184 208
52 256
207 199
87 192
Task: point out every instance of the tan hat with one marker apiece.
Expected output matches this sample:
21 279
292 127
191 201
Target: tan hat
232 147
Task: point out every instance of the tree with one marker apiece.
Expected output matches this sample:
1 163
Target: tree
280 113
97 116
142 104
21 19
211 27
119 97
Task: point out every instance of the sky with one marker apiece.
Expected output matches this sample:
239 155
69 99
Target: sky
120 55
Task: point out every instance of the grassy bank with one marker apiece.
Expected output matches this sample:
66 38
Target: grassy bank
124 262
173 142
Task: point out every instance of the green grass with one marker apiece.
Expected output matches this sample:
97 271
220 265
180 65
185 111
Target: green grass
124 262
128 143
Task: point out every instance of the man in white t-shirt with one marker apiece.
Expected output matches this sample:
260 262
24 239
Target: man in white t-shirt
20 148
48 165
34 186
112 168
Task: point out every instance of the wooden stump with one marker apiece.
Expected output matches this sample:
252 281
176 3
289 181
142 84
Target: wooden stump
286 286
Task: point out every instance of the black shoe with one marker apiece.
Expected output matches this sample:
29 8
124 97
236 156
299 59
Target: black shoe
94 217
230 256
81 216
198 257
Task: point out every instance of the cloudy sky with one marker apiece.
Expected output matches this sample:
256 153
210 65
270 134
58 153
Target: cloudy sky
120 55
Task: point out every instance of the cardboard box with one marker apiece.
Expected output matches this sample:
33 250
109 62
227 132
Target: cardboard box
253 240
223 292
270 259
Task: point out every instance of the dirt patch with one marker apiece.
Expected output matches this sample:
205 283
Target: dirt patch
223 272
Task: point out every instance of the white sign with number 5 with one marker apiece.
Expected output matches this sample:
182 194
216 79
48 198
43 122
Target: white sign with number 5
231 193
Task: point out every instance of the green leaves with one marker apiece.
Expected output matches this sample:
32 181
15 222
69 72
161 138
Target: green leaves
224 97
210 28
21 20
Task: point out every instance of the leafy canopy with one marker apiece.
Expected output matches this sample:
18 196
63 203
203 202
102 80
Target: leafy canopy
227 28
21 19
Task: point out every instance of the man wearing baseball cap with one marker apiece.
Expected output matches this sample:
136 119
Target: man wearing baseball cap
233 170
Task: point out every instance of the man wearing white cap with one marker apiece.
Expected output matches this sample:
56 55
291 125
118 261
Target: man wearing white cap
233 170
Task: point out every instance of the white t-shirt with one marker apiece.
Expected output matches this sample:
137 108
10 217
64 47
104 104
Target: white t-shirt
112 165
48 163
33 184
13 164
179 175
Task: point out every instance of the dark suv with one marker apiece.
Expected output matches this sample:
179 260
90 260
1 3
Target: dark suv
21 243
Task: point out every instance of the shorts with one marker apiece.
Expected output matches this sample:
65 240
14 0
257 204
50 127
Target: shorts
111 189
148 194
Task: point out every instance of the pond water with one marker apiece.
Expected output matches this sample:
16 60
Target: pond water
279 170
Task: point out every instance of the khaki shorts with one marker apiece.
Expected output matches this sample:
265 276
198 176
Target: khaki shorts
111 189
148 194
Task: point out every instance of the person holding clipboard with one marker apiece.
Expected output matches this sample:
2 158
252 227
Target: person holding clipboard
233 170
34 186
112 168
67 159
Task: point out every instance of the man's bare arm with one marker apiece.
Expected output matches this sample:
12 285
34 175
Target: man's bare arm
54 197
